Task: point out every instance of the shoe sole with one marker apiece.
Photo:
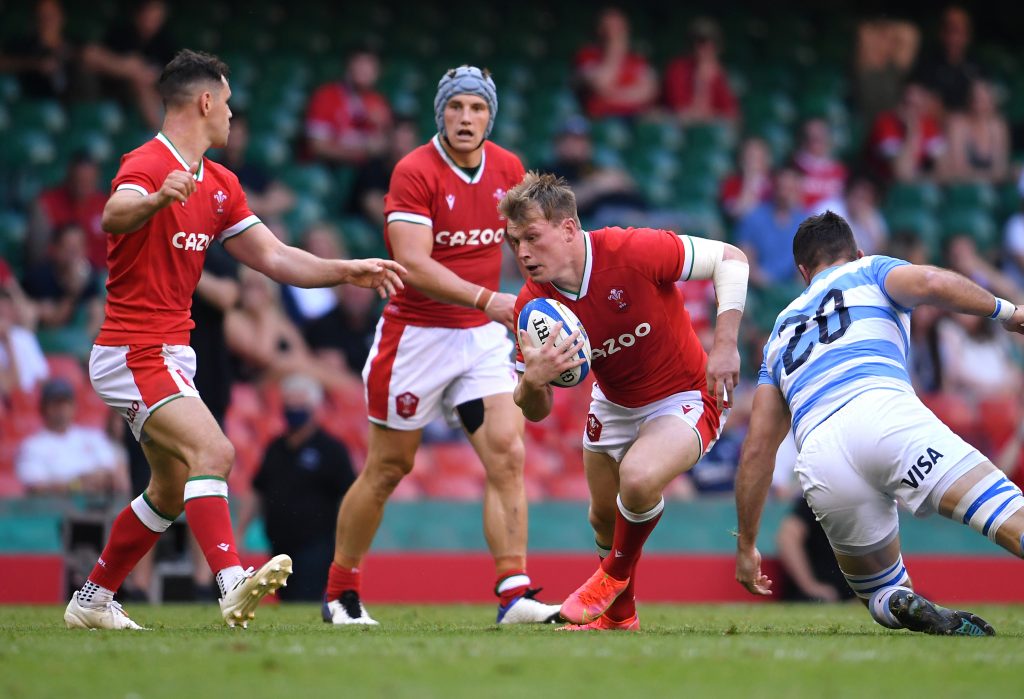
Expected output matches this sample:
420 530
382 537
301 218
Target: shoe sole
271 577
919 614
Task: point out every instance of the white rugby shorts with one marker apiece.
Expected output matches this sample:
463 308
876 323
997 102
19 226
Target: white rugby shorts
135 380
413 374
612 428
881 447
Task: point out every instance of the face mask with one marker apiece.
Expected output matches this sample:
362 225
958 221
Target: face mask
297 417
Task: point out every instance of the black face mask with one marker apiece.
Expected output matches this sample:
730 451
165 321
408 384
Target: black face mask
297 417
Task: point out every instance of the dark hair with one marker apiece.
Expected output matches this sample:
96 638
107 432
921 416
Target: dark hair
185 70
823 239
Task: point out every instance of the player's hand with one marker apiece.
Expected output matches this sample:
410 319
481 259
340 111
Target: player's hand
385 276
502 310
546 363
723 372
1015 323
748 572
179 186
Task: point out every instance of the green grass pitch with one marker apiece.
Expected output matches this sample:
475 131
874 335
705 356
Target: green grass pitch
454 651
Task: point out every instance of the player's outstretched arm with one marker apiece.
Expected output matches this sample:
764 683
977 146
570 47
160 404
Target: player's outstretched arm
412 245
912 285
128 209
259 248
726 266
769 422
544 364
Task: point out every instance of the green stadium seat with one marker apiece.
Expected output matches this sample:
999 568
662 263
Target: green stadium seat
47 115
267 149
716 138
362 238
921 222
312 180
611 133
28 148
1010 200
974 222
695 188
9 88
913 195
103 116
978 195
13 229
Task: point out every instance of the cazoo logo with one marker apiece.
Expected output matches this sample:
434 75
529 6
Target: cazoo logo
617 344
475 236
191 241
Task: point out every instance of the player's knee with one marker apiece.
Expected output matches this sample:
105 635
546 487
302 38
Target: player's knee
216 459
637 488
385 475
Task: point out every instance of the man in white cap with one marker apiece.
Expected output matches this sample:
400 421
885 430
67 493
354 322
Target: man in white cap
442 346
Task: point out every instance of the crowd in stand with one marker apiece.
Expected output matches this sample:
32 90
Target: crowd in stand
931 119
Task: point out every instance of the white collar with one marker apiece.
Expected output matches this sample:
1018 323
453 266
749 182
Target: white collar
588 266
177 156
436 140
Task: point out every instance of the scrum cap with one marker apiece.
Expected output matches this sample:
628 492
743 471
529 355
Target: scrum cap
465 80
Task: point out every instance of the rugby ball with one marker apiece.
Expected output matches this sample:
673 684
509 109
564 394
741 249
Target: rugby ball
538 319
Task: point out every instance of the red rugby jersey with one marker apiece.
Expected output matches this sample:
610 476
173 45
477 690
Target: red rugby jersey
644 347
154 270
428 188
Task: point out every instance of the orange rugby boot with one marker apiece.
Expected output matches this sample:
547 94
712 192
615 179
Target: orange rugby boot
605 624
592 598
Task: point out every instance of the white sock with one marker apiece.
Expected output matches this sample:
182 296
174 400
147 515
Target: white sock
878 606
94 596
227 577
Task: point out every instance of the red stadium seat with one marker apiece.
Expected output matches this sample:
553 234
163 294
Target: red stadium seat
455 488
70 369
456 459
998 419
568 487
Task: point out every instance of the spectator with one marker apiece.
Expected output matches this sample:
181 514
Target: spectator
268 197
860 209
46 62
374 176
766 233
979 140
976 359
78 201
613 80
266 343
132 56
1013 242
22 364
810 571
320 314
25 312
347 121
886 50
696 87
962 256
751 184
67 291
907 142
304 474
824 174
64 457
949 70
598 188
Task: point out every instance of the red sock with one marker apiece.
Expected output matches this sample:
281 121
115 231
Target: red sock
510 585
629 539
341 579
129 541
624 606
206 507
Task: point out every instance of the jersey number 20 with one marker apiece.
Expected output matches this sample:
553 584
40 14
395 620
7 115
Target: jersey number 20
791 363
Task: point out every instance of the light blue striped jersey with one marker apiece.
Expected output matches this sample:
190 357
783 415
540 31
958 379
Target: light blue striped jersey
844 335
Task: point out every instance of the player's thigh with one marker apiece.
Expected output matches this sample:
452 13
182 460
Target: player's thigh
857 517
602 472
390 453
498 440
187 430
665 448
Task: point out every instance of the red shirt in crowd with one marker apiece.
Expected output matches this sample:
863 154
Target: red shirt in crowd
338 112
888 135
632 71
824 178
61 209
679 86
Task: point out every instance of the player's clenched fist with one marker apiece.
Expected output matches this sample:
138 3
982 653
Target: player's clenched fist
383 275
178 186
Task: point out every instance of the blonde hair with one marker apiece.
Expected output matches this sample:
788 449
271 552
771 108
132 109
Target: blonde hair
549 193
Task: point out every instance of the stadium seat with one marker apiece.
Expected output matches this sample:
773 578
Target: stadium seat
976 223
916 195
104 116
568 487
976 195
47 115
